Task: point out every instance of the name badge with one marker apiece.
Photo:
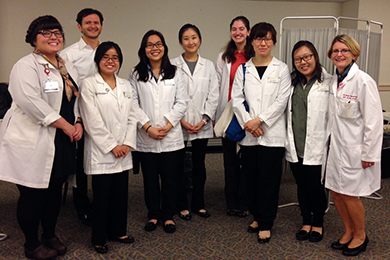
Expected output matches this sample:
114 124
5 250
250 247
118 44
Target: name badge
169 82
50 86
273 79
323 88
101 93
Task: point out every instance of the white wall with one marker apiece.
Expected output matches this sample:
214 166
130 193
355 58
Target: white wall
127 21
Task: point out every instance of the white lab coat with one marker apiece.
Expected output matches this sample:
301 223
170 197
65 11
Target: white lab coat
203 95
223 74
355 129
157 103
26 137
267 99
317 118
109 120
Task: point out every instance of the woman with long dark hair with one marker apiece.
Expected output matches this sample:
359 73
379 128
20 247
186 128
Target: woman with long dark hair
202 86
307 117
160 101
238 51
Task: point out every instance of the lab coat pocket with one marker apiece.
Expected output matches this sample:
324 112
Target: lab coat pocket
351 157
346 108
320 102
25 136
108 158
270 88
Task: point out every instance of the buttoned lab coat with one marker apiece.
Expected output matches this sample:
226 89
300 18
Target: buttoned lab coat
223 75
317 118
355 129
157 103
203 95
109 120
26 137
267 99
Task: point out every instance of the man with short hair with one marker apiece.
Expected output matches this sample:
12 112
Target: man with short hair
81 55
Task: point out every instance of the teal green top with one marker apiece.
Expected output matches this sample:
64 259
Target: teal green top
299 115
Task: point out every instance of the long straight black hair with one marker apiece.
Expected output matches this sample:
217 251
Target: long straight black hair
167 69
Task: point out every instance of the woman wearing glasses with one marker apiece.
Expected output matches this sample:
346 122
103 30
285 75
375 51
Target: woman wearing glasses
38 134
203 98
353 163
307 116
106 104
237 51
160 101
265 86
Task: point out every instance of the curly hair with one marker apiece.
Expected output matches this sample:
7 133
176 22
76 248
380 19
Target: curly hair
45 22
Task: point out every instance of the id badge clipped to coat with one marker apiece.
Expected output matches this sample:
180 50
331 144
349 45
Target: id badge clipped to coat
49 85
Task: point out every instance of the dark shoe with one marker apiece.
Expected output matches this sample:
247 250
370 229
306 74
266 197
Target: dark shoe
56 244
316 236
253 229
357 250
170 228
338 246
150 226
263 240
185 217
127 240
302 235
41 253
242 213
86 220
205 214
231 212
101 249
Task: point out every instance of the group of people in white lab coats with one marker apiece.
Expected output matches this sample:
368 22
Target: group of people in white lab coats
330 133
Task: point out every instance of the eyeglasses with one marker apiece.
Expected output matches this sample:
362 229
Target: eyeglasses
305 58
151 45
107 58
266 40
343 51
47 34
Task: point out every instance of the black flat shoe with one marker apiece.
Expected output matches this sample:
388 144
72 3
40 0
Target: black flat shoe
302 235
242 213
150 226
41 252
316 236
205 214
127 240
86 219
251 229
101 249
263 240
56 244
185 217
357 250
338 246
231 212
170 228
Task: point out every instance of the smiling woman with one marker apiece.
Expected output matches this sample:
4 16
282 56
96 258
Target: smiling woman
42 126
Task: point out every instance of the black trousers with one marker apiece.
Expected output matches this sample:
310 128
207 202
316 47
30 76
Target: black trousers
39 206
161 203
262 166
80 194
110 193
199 148
311 192
235 193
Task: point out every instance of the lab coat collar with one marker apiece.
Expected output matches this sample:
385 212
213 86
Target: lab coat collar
43 62
251 68
200 63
